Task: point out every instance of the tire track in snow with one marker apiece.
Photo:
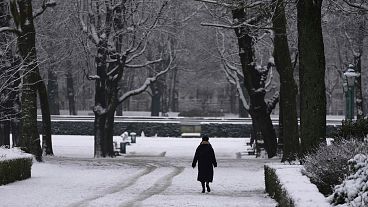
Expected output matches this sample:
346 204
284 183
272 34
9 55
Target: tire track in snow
158 187
117 188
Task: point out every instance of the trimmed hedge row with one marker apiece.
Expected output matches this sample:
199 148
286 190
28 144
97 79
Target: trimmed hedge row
275 189
290 188
162 129
15 169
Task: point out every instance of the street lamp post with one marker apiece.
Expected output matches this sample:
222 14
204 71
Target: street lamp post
349 83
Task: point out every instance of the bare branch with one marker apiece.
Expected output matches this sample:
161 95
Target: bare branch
219 3
149 80
245 23
43 8
146 34
232 6
11 30
355 54
356 5
144 64
92 35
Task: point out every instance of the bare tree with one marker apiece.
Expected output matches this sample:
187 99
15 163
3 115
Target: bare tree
247 18
119 31
23 17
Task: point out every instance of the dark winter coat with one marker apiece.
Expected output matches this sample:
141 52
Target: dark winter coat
206 161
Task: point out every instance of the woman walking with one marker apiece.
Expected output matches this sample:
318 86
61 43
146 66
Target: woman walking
206 161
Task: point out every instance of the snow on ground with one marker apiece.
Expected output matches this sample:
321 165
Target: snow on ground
140 178
299 188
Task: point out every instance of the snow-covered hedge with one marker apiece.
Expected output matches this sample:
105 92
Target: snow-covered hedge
14 165
328 166
354 189
287 185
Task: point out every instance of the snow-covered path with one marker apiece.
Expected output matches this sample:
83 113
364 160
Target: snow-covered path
142 178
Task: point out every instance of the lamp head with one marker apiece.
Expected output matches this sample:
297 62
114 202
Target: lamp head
350 75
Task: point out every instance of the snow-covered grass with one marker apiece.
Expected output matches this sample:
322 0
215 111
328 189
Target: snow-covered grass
82 146
141 177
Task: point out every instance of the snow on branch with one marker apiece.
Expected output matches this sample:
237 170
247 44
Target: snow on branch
144 86
233 74
234 26
271 104
138 53
43 8
144 64
232 6
11 30
92 33
93 77
218 3
149 80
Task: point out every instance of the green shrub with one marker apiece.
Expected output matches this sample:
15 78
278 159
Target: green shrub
200 113
275 189
353 129
328 166
354 189
15 169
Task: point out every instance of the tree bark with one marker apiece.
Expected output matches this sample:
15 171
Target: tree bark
30 140
53 92
288 87
46 118
100 99
156 100
258 108
243 112
70 93
5 133
16 106
358 67
173 96
311 75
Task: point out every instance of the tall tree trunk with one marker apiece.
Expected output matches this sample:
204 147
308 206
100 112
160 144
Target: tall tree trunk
173 96
70 93
5 133
288 87
258 108
311 75
16 106
100 100
99 132
358 68
243 112
233 99
53 92
5 107
30 141
119 110
46 118
156 100
109 130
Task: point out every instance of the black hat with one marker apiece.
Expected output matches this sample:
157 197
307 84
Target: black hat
205 137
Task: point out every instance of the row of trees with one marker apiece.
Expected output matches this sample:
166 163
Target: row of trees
118 44
252 21
117 37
